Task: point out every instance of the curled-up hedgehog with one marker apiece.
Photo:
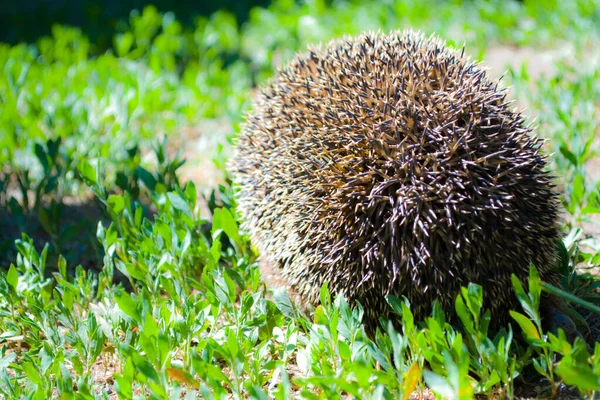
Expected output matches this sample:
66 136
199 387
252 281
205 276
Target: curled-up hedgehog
393 165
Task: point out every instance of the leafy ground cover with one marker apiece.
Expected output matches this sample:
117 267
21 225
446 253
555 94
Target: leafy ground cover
123 269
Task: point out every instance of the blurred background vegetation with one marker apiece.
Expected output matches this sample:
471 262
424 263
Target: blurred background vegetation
28 20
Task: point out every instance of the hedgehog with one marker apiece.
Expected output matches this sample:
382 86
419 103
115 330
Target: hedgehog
391 164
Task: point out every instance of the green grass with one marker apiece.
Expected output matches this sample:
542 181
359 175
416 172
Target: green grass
170 303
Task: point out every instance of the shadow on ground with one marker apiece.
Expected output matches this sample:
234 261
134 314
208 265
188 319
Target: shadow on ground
70 230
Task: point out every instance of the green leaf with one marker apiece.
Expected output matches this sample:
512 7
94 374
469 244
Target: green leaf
179 203
32 373
150 326
578 193
474 297
463 314
395 303
221 288
128 306
215 250
523 298
12 276
232 344
146 177
283 302
408 319
41 155
568 155
123 386
53 146
344 350
67 300
324 295
145 367
563 256
577 374
123 43
439 385
590 210
319 316
88 172
535 287
165 231
215 372
528 328
62 266
231 289
224 219
191 194
116 203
